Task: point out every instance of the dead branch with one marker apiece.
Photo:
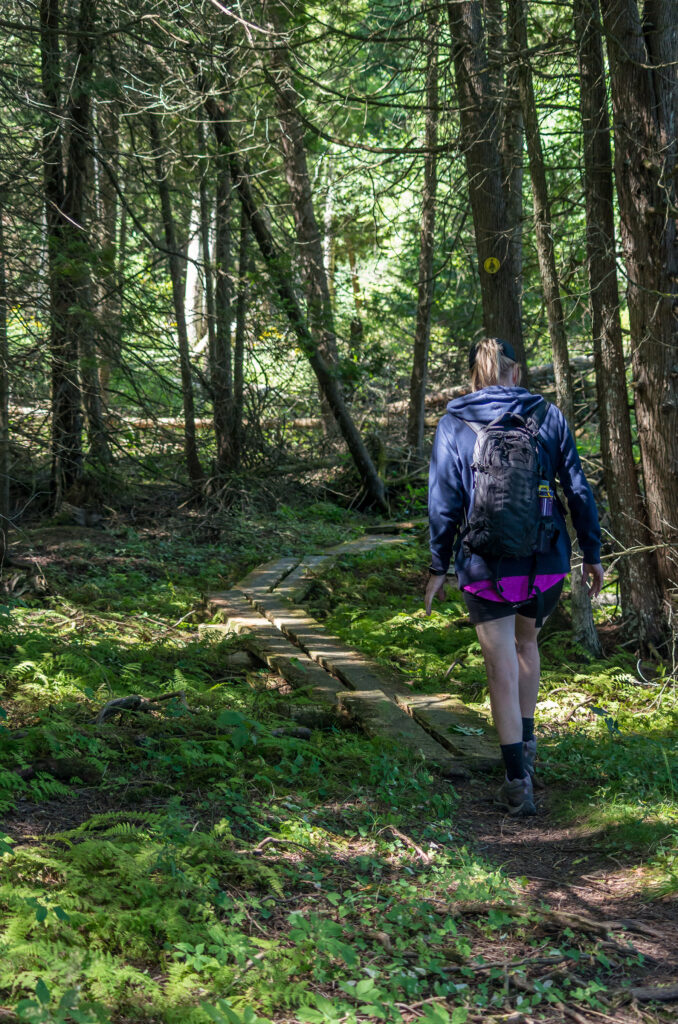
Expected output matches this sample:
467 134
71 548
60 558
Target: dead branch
668 994
135 703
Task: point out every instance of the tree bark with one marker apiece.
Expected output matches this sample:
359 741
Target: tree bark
642 60
78 231
4 396
511 146
309 237
425 282
327 381
194 301
239 346
66 442
638 573
195 473
582 615
109 263
221 368
205 225
480 132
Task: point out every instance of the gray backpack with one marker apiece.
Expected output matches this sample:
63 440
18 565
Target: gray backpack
511 472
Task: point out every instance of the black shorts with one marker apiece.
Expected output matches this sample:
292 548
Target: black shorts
482 610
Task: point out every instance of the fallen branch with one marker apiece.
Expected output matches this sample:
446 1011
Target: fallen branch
646 994
135 703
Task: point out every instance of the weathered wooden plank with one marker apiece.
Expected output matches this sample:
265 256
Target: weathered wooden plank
379 716
404 527
367 543
293 584
269 645
267 576
353 668
447 718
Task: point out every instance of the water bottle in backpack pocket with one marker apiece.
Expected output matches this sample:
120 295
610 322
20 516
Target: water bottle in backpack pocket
547 531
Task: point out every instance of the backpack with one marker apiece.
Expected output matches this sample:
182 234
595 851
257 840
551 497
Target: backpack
510 516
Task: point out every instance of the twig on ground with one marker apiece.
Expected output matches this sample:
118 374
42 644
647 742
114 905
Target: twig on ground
582 704
425 857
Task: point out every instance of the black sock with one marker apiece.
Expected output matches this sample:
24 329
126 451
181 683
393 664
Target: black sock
513 759
528 729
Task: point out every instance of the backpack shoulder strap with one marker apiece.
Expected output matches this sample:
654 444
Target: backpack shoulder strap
475 427
536 419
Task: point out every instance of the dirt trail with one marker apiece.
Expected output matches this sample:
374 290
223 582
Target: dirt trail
568 868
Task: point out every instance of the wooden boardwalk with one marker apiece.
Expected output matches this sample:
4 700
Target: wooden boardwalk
438 728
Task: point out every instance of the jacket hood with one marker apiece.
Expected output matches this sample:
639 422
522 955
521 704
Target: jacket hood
487 404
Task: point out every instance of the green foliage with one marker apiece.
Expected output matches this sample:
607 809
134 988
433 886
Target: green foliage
617 757
209 870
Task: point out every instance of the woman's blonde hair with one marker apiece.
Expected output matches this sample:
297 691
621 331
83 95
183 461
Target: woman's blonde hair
489 363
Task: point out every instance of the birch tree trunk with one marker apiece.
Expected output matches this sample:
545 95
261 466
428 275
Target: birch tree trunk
195 474
582 616
425 282
638 573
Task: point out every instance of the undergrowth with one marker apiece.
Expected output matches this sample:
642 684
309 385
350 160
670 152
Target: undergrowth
607 735
201 862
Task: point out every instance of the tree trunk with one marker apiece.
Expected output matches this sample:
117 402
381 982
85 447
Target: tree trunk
582 615
221 369
194 303
643 60
511 148
4 397
62 241
239 347
479 117
425 282
638 573
77 224
109 267
329 243
205 225
309 237
327 381
195 474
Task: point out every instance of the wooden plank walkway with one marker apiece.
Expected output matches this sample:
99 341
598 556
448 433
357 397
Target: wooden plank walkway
438 728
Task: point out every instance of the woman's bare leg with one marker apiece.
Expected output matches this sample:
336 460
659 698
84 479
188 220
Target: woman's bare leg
527 652
498 644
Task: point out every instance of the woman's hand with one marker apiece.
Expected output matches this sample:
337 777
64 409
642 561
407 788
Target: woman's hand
596 573
434 588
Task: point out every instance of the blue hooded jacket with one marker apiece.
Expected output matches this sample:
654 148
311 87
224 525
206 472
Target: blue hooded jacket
451 486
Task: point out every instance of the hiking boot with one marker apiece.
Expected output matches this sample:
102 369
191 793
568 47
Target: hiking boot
529 756
517 797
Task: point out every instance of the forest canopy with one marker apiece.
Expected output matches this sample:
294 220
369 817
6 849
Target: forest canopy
235 237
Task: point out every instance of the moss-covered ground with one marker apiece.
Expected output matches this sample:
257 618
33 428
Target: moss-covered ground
199 862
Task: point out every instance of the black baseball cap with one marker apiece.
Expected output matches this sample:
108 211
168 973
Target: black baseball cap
508 351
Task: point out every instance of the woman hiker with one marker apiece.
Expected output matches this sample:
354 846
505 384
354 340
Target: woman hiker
496 456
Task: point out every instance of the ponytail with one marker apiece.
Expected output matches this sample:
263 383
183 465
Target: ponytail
489 363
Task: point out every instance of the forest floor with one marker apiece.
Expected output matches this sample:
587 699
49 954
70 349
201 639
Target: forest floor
200 862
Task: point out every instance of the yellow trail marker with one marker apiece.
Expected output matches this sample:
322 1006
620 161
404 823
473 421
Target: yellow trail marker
491 265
